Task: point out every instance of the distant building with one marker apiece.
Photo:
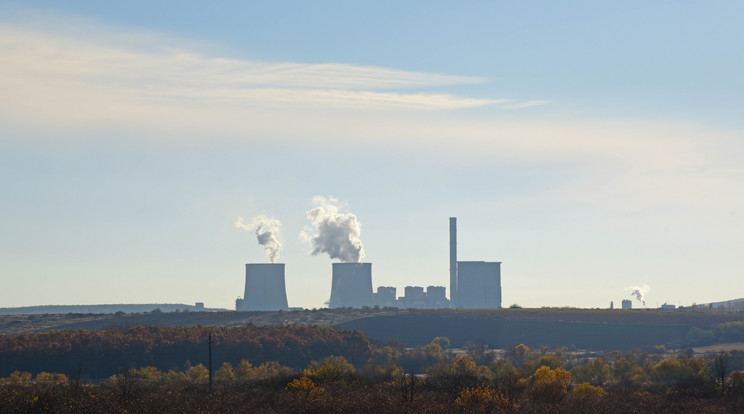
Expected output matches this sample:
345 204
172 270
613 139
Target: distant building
199 306
612 305
385 297
478 284
436 297
627 304
667 306
414 298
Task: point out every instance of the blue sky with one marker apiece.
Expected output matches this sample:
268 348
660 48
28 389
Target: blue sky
588 146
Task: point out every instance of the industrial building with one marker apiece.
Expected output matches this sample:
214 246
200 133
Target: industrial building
436 297
385 297
479 284
473 284
351 285
264 288
627 304
415 298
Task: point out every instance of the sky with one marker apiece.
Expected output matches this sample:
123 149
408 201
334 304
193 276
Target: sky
588 146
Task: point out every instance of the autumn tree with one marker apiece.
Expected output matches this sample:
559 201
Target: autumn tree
482 399
627 375
684 376
506 377
51 378
225 374
148 373
198 374
442 341
735 391
245 372
549 385
455 375
383 365
17 378
585 390
595 372
518 355
330 369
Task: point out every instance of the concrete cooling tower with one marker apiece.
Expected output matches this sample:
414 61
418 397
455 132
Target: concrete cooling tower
351 286
264 288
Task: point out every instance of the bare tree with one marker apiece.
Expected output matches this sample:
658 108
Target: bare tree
478 352
719 367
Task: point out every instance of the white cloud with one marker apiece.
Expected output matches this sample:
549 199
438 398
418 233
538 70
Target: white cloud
65 83
46 76
526 104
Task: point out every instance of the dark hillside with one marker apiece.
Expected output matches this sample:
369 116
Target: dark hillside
503 333
585 328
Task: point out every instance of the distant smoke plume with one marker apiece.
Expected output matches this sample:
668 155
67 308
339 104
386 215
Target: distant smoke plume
267 233
639 292
334 233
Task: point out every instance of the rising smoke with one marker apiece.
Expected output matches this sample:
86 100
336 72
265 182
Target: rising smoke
267 233
639 292
334 232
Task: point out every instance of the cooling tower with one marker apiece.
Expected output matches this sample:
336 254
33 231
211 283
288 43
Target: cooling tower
351 286
479 284
264 287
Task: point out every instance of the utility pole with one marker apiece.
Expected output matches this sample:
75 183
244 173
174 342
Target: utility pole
413 383
209 341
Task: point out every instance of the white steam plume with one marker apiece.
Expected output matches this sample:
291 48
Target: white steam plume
334 232
639 292
267 233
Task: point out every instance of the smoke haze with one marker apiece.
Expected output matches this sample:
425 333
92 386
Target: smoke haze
267 234
639 292
333 232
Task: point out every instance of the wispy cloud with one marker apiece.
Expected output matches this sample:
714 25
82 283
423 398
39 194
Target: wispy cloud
37 65
526 104
53 81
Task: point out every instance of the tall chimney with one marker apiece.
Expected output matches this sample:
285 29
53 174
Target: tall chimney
453 260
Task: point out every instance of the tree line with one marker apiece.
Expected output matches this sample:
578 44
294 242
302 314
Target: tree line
99 354
432 378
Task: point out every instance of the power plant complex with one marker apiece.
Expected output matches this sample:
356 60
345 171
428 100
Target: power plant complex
473 284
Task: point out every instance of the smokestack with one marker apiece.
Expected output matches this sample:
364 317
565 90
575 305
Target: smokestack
453 260
351 286
264 287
